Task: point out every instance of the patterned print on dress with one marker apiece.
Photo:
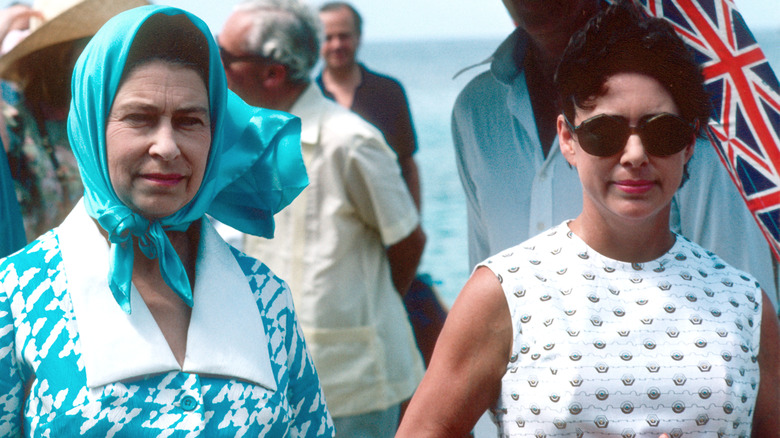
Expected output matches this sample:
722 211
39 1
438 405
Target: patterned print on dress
39 340
607 348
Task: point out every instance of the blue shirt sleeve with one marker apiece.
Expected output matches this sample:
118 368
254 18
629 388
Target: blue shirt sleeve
12 232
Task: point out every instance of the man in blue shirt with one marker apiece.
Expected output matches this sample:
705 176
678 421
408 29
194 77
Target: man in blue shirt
516 181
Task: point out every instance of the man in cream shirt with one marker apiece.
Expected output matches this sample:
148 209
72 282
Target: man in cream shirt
351 242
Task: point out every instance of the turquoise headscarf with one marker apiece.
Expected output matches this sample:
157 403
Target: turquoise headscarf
254 168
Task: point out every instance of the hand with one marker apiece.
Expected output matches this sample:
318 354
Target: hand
16 17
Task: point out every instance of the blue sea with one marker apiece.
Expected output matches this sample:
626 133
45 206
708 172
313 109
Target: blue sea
426 70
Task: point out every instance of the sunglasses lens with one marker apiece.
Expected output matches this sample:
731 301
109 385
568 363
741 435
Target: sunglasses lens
665 135
662 135
603 135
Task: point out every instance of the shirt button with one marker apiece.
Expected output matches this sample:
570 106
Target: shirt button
188 403
540 226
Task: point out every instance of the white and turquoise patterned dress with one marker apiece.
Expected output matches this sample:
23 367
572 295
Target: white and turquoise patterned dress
612 349
72 363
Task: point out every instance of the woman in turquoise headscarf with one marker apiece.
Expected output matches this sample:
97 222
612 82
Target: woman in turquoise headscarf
133 317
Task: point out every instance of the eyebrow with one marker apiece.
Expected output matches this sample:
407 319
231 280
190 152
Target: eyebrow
193 109
140 106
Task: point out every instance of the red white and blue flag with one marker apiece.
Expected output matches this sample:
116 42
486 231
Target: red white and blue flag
745 125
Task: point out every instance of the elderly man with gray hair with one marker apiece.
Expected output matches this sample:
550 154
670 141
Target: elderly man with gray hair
350 244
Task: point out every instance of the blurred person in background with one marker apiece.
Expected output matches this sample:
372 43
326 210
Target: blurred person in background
380 100
349 246
47 38
12 231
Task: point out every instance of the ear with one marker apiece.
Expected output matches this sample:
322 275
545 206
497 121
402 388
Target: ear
274 75
690 148
566 141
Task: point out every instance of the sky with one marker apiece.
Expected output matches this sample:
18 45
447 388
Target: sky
395 19
429 19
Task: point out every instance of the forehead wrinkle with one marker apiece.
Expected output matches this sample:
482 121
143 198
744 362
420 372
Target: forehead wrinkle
142 103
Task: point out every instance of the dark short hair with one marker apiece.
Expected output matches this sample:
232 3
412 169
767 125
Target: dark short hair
332 6
169 38
622 39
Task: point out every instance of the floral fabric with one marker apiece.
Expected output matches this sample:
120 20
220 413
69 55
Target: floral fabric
44 170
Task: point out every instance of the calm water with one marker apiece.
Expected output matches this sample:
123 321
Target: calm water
426 70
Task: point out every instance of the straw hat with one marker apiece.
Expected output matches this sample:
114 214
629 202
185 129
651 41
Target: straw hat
64 20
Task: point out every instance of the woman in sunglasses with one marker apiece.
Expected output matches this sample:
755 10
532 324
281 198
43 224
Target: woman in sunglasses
611 324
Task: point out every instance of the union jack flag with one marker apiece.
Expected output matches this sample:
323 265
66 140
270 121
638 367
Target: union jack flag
745 124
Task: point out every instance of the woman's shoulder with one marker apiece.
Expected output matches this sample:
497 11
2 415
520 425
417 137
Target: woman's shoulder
38 254
706 262
38 264
549 241
263 281
235 265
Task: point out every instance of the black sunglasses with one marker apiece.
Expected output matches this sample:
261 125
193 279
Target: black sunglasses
229 58
661 134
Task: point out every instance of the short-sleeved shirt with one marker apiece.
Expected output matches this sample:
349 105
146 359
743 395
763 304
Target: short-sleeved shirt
96 371
330 245
381 100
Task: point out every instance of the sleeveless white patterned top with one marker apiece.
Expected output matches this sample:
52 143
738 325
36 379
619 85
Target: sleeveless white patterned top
608 348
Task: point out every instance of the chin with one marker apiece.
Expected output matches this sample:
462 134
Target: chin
641 214
157 210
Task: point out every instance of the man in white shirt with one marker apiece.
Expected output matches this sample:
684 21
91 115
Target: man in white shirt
349 245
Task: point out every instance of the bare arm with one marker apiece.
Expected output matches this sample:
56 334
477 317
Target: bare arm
766 419
404 257
412 178
16 17
470 358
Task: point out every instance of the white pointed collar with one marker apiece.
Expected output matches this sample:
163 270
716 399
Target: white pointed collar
226 336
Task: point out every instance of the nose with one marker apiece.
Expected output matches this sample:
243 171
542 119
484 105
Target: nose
339 41
634 153
164 143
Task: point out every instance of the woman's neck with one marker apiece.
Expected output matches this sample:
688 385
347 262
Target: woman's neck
185 243
632 242
169 310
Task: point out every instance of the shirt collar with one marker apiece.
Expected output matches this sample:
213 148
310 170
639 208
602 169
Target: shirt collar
503 62
310 107
118 346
